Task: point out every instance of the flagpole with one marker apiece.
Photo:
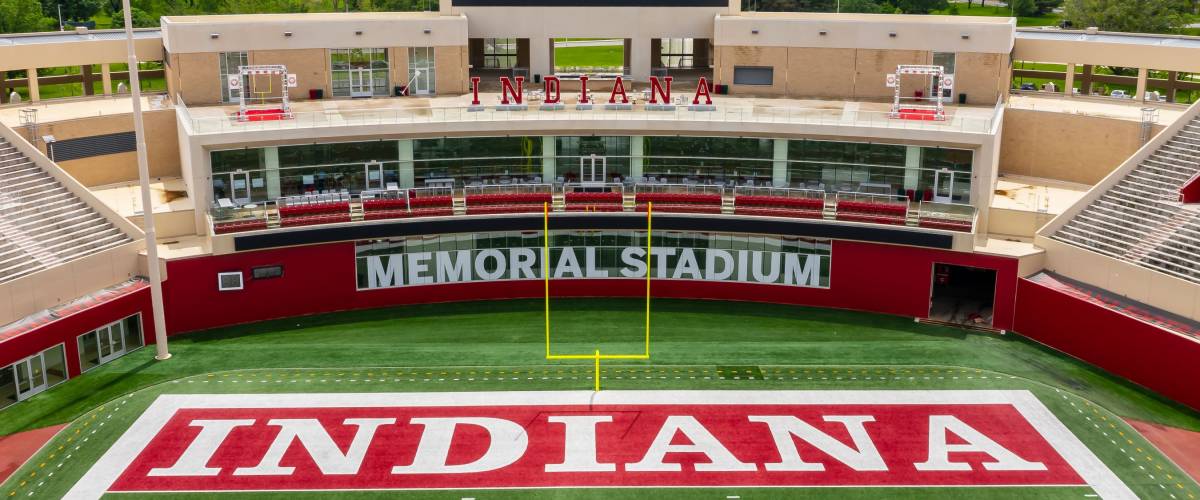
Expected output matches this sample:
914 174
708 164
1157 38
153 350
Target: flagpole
139 130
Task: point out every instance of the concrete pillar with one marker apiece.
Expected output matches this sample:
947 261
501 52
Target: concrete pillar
912 165
636 143
541 56
549 162
34 94
271 168
106 78
779 165
407 175
735 6
1141 84
1069 81
639 59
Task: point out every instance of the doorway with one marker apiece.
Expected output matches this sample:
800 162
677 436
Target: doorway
374 175
420 70
360 82
963 295
943 186
587 169
30 375
239 187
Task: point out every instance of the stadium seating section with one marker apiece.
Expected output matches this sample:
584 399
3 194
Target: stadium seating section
779 206
870 211
594 202
44 224
1140 220
693 203
507 203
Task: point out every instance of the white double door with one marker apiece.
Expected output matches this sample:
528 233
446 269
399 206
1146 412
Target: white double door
943 185
360 82
30 376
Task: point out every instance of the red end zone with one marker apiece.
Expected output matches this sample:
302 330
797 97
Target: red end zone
584 439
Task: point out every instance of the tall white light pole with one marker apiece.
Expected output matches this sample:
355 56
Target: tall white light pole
139 130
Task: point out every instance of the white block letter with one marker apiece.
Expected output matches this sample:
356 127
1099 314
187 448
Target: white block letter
194 460
579 445
719 458
379 276
506 444
863 457
976 442
635 266
320 447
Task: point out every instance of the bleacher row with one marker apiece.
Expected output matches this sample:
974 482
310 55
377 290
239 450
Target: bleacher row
42 223
1140 219
877 212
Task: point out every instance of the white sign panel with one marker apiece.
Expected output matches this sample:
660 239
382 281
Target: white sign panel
497 264
891 80
235 82
291 81
948 81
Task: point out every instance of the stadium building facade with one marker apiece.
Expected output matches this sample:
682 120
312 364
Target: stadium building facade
308 163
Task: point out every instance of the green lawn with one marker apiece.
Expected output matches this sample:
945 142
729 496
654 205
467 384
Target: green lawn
998 11
599 57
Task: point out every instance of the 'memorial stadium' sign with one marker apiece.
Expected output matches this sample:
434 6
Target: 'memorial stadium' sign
580 439
495 264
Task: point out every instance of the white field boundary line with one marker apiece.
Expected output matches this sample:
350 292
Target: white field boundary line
122 453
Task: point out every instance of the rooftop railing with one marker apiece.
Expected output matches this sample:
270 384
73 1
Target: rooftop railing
724 113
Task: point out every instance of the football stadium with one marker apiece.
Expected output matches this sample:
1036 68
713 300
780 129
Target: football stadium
599 249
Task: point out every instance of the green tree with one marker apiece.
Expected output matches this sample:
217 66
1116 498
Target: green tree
1047 6
141 19
72 10
1023 8
861 6
20 16
920 6
1135 16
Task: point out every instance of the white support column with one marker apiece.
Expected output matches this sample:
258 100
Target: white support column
271 167
635 152
407 176
1141 84
912 166
779 167
549 163
1069 81
639 59
106 78
539 56
34 94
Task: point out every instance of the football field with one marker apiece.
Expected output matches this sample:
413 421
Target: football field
737 401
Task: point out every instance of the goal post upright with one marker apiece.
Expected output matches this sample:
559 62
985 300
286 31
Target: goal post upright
595 356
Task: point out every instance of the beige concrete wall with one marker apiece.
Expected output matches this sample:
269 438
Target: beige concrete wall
1016 223
162 147
871 67
982 76
1122 278
867 31
450 69
398 59
1067 147
62 283
777 57
820 72
194 34
311 67
198 77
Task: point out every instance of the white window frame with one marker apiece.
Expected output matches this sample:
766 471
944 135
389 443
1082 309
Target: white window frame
124 344
241 281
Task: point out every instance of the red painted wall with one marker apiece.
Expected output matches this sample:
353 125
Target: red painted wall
67 329
321 278
1160 360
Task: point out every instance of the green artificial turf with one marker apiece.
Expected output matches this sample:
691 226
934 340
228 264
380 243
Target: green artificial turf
598 57
695 345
